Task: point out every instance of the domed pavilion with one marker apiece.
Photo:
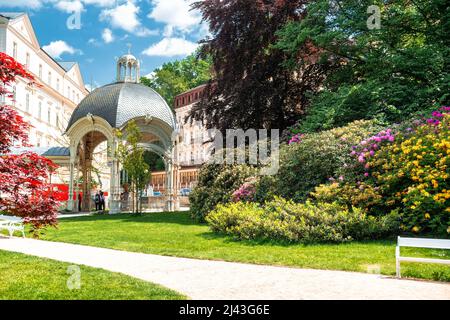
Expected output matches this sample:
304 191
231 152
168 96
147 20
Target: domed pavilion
108 109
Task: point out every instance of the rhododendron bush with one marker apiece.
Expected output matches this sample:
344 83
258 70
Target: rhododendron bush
402 168
413 173
24 191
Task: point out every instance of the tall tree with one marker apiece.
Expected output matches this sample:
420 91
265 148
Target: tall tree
389 73
179 76
131 155
24 190
251 88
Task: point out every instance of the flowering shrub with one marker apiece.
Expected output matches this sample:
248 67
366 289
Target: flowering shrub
296 138
216 184
413 174
363 195
246 192
285 220
318 156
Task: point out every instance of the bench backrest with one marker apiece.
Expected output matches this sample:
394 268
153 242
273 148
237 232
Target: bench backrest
10 218
424 243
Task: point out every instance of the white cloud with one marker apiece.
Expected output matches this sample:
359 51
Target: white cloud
107 35
32 4
69 6
170 47
176 14
59 47
125 17
101 3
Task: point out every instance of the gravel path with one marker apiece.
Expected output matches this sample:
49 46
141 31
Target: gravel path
203 279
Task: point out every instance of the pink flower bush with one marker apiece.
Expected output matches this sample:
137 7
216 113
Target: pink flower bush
246 192
296 139
367 148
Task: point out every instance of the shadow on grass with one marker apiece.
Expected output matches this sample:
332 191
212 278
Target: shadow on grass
279 243
182 218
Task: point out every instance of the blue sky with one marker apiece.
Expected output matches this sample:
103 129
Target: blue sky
157 30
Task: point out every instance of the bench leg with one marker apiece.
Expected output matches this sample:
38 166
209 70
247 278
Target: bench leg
23 233
397 262
11 232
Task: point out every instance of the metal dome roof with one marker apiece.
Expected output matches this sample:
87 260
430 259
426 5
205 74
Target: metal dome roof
120 102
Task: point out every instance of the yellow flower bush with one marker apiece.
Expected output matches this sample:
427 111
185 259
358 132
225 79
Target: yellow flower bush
413 173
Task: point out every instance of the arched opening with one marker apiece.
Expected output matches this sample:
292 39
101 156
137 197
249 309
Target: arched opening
91 170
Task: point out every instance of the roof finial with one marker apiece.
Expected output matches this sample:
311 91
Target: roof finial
129 48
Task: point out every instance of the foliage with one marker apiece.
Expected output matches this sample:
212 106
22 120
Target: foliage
23 178
299 222
216 184
155 162
248 69
131 155
363 195
388 73
245 192
413 174
174 78
317 158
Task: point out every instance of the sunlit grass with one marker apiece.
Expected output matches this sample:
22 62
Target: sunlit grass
25 277
175 234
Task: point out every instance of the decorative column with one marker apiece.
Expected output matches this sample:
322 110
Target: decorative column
169 186
114 184
70 202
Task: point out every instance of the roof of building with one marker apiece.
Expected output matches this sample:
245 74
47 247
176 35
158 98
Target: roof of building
43 151
119 102
11 15
67 65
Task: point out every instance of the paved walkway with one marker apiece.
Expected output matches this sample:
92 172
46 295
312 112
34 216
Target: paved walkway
203 279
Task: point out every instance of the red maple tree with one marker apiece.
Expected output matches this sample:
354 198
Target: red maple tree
24 190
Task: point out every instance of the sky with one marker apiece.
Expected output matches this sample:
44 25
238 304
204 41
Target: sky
95 33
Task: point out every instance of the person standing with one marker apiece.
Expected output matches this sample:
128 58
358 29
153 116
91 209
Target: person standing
97 201
102 201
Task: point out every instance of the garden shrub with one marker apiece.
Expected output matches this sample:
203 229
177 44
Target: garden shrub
361 195
284 220
311 159
413 174
216 184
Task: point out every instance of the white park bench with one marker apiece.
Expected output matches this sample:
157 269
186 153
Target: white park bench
420 243
12 224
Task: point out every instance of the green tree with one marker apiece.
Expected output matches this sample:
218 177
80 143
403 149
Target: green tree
179 76
390 73
131 155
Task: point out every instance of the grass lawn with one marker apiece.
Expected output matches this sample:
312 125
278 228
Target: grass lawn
29 278
175 234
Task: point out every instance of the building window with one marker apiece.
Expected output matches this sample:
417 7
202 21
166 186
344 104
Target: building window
27 103
73 95
57 85
49 78
15 50
68 92
48 114
57 119
38 140
40 110
40 71
27 63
